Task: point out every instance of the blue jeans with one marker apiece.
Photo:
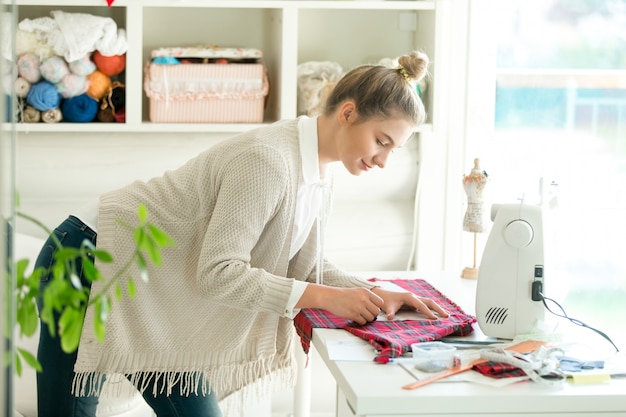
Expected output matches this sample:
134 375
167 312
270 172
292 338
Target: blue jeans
54 383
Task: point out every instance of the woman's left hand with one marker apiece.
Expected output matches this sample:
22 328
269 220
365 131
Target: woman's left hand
396 300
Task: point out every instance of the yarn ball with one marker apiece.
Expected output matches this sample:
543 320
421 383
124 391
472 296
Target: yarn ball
83 66
109 65
28 67
43 96
72 85
52 116
99 85
106 115
31 115
79 109
54 69
22 87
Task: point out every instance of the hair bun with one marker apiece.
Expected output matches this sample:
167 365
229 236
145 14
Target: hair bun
415 64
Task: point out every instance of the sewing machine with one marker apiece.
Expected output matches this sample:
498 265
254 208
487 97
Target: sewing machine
511 275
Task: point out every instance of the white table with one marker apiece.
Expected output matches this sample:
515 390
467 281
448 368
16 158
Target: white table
365 388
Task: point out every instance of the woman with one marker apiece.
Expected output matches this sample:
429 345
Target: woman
216 316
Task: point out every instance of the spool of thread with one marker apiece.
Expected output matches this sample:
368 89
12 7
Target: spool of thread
99 85
79 109
28 67
83 66
72 85
31 115
22 87
54 69
52 116
43 96
109 65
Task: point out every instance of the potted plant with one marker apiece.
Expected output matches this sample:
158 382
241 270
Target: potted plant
66 298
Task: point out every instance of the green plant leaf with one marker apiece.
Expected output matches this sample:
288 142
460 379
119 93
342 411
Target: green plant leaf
18 364
103 307
70 328
90 270
160 236
20 270
153 252
99 329
66 254
27 317
142 212
30 359
132 291
75 280
118 292
102 256
143 271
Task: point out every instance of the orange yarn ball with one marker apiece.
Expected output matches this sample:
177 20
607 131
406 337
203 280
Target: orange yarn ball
109 65
99 85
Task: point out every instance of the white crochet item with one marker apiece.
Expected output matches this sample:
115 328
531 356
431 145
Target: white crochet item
73 35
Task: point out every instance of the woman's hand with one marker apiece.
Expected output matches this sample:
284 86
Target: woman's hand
357 304
393 301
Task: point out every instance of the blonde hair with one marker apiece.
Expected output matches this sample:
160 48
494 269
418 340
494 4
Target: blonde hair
381 92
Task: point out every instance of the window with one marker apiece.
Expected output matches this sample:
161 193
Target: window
559 126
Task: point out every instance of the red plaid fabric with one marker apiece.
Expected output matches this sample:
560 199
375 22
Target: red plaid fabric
391 338
498 370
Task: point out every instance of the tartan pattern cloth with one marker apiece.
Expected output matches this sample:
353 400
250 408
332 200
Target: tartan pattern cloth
391 338
498 370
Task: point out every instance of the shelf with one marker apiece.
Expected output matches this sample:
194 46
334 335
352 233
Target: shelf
288 32
147 127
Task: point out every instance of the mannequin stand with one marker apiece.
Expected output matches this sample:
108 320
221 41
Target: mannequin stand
471 272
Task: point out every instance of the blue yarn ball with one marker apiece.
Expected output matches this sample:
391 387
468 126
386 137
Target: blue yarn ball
79 109
43 96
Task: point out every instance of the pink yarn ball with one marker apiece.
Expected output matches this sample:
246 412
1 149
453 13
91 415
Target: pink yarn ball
72 85
54 69
28 67
83 66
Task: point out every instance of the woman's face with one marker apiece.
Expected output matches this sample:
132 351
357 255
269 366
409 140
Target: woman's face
367 145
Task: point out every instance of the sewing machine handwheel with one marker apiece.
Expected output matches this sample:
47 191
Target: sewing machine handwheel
518 234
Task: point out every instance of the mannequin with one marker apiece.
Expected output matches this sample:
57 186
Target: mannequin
474 220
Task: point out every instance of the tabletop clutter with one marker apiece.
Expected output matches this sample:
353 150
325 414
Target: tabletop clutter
68 67
429 349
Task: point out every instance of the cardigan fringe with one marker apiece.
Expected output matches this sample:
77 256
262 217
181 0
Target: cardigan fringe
197 381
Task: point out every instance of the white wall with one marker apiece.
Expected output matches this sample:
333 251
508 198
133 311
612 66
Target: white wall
370 229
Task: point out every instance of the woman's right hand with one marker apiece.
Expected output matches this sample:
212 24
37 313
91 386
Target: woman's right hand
359 305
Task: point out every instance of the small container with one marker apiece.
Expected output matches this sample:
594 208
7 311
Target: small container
433 356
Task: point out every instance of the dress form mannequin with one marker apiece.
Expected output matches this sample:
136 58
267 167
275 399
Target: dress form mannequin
474 220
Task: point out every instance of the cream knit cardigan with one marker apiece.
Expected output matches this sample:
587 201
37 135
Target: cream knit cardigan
216 307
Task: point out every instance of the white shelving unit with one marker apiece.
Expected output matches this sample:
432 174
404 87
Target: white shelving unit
288 32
